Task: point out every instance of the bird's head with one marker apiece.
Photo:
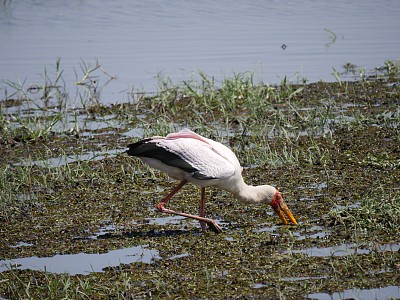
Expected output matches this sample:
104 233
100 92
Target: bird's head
267 194
281 209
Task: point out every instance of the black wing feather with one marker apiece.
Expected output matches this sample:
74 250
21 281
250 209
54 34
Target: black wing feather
146 148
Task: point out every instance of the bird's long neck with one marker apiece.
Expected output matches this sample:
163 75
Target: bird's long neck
254 194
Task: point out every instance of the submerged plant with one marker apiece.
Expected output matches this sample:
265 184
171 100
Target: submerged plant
332 37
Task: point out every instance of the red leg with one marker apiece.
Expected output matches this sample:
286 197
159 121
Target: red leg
160 207
202 208
211 223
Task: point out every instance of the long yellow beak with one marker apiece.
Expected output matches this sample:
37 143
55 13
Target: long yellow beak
280 207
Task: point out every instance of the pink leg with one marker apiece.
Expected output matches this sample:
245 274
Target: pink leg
160 207
202 208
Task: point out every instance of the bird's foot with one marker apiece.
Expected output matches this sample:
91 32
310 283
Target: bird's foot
203 226
160 207
214 226
211 223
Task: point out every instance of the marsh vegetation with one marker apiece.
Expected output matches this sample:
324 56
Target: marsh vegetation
67 188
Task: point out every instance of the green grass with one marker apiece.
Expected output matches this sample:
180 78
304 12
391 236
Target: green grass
331 148
377 215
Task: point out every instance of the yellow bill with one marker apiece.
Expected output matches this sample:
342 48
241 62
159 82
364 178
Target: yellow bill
281 209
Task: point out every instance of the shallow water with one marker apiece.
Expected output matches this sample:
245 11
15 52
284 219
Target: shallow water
82 263
344 249
389 292
136 40
66 159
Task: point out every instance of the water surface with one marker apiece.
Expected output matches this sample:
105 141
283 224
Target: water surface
136 40
82 263
388 292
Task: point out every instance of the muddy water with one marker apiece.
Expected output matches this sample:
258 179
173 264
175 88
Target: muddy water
136 40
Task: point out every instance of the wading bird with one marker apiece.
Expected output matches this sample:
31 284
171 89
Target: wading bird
189 157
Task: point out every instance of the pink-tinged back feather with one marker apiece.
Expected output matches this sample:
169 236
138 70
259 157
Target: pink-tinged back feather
186 133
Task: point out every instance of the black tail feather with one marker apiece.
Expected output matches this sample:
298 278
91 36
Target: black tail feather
150 149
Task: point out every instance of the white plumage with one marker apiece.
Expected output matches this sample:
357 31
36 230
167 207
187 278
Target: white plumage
189 157
193 151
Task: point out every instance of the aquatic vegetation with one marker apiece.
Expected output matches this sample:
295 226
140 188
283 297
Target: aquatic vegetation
66 187
378 214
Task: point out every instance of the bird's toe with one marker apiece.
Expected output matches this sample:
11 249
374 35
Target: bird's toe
214 227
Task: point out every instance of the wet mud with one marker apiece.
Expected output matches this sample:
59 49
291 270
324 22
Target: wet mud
333 149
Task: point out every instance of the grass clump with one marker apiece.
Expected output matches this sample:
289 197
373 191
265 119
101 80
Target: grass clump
27 130
36 111
18 196
377 215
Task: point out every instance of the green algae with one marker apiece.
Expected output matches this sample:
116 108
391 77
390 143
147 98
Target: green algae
331 148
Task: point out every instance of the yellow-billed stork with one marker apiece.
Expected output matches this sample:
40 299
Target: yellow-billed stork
189 157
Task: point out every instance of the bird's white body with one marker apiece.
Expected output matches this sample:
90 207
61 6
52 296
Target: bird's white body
189 157
207 156
210 158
